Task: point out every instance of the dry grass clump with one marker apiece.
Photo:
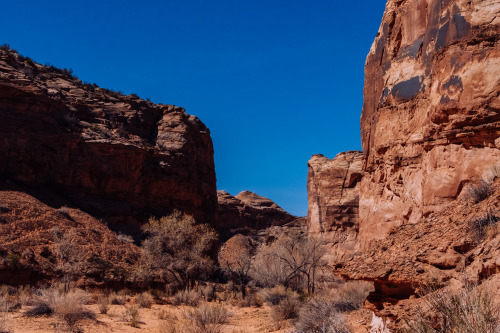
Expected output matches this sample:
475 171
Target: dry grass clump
132 316
284 303
351 295
274 296
68 307
484 225
480 191
469 310
320 315
144 300
206 318
117 299
186 297
103 304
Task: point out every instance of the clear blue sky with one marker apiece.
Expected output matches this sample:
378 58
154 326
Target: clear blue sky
276 81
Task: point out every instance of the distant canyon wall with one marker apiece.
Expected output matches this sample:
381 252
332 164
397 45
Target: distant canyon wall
431 115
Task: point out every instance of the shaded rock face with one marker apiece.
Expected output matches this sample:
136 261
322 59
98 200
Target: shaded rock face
117 157
247 213
430 120
333 195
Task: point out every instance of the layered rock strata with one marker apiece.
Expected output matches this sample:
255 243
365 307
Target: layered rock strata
115 156
431 115
333 201
248 213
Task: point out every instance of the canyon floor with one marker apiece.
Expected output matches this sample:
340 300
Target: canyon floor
242 320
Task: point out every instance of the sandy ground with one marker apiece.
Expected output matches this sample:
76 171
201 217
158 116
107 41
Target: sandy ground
242 320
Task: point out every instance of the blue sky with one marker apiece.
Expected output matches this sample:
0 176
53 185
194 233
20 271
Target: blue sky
275 81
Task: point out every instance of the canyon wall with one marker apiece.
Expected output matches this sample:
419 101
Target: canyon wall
117 157
333 201
430 122
248 213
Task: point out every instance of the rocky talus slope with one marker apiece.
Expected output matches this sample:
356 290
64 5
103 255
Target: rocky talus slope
39 242
431 115
333 201
461 242
247 213
117 157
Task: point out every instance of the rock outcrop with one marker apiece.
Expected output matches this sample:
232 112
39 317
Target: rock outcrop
333 201
34 239
431 113
248 213
117 157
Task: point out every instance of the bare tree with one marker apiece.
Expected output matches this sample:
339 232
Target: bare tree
70 261
180 247
292 260
235 260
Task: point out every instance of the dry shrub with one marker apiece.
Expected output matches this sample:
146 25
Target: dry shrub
480 191
207 318
209 293
144 300
187 297
103 304
286 309
116 299
25 295
68 307
274 296
469 310
351 295
320 315
132 316
484 225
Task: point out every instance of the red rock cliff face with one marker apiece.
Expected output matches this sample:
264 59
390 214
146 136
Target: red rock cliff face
115 156
430 120
333 195
247 213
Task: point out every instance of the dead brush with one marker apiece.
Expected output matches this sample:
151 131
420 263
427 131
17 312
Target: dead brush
206 318
187 297
132 316
483 225
469 310
351 295
68 307
480 191
103 304
116 299
319 314
144 300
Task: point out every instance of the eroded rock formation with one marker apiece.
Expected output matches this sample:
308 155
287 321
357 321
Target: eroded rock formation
430 120
247 213
118 157
333 201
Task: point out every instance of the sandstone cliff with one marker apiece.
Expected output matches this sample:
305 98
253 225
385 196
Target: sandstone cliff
333 201
247 213
117 157
430 122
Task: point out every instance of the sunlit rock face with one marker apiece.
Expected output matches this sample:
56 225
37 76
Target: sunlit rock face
247 213
430 120
117 157
333 195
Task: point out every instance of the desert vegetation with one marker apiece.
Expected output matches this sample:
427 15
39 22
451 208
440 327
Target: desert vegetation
470 309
